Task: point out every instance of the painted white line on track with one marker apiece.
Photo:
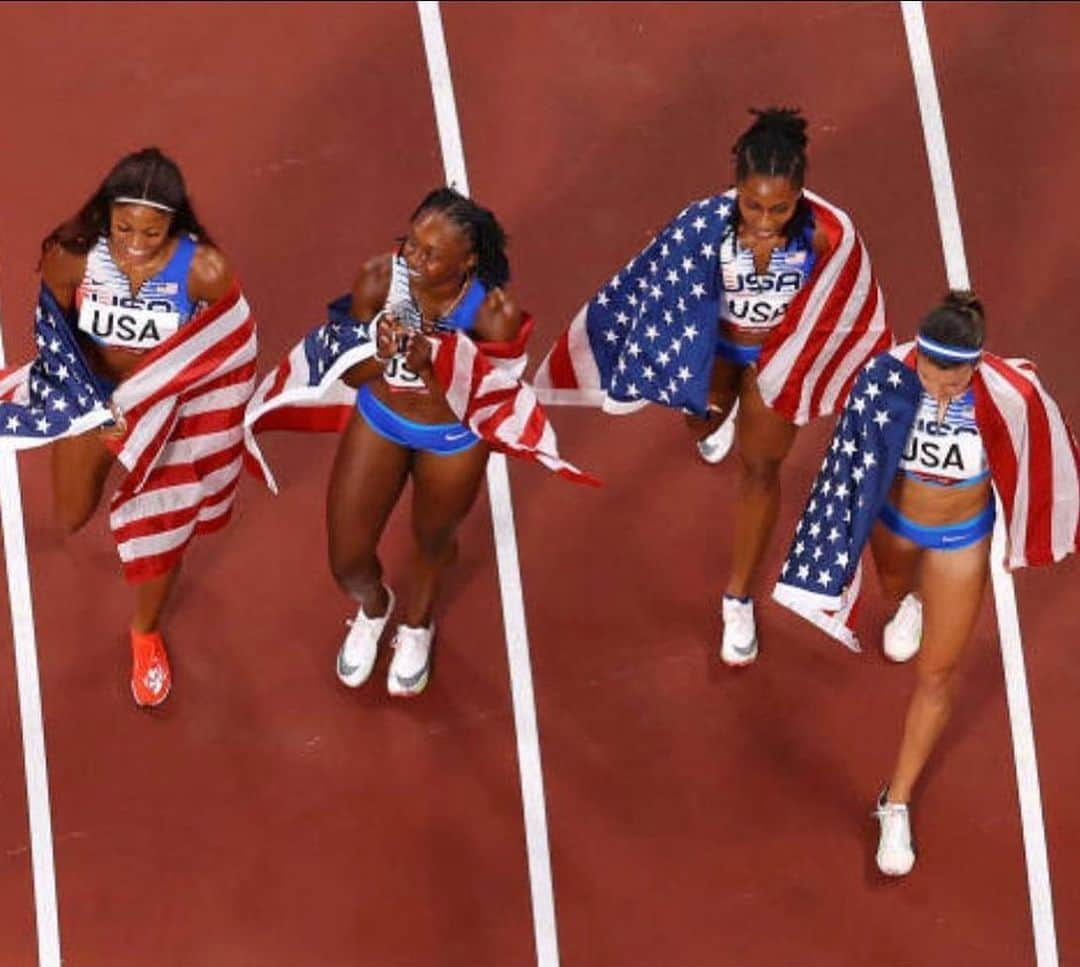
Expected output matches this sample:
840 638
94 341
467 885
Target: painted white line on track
1023 736
33 726
502 517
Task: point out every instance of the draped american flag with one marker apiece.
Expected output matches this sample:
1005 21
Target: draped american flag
56 395
1033 464
481 382
182 407
650 333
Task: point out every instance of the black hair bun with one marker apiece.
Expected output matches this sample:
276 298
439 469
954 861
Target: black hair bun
963 300
787 122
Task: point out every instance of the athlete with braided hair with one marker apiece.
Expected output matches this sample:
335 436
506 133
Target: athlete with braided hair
449 273
751 311
767 256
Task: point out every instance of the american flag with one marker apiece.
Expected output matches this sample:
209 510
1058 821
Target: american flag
183 449
650 333
481 382
183 407
56 395
1033 465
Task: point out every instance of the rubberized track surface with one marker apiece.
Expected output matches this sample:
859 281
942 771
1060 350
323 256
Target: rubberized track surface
266 815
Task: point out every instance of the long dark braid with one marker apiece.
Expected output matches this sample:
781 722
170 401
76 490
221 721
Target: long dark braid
485 234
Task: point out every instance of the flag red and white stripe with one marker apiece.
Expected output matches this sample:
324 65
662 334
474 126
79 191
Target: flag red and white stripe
808 362
1035 468
13 383
1033 460
482 386
830 330
183 448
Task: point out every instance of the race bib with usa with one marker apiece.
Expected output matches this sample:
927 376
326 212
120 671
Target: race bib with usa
399 377
134 326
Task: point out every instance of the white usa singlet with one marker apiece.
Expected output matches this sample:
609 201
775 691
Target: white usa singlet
758 300
949 451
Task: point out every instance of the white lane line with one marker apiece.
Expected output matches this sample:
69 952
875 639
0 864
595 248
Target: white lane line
33 727
1023 737
502 517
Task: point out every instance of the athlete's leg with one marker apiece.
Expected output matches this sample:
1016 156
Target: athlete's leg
367 478
80 466
765 439
723 392
150 599
444 489
951 587
897 561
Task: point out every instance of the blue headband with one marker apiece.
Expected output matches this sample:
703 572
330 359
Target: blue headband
951 354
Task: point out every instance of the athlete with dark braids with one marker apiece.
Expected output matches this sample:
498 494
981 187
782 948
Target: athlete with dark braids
751 312
766 257
449 273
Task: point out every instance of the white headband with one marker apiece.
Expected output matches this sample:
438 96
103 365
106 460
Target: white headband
125 200
951 353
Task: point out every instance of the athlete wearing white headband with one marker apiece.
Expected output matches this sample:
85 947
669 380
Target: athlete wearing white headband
132 267
128 200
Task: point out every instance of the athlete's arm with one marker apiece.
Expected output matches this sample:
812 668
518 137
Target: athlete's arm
210 277
369 294
62 271
498 319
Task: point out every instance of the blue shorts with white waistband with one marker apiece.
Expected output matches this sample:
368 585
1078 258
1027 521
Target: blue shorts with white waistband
441 438
950 537
735 353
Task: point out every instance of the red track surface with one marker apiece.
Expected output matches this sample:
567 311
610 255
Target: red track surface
268 816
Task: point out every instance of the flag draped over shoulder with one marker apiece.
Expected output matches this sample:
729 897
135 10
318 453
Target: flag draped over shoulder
481 382
1033 464
650 333
182 407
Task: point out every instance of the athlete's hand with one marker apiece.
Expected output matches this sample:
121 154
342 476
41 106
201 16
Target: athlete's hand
370 288
386 336
117 430
418 354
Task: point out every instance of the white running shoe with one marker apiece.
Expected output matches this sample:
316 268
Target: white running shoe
357 655
717 444
895 855
412 660
740 645
904 630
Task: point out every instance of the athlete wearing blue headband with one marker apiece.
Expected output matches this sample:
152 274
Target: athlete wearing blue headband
935 434
931 546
